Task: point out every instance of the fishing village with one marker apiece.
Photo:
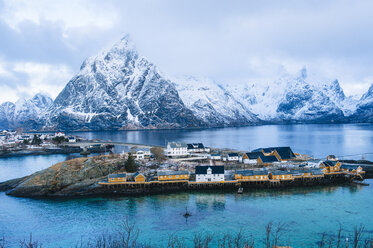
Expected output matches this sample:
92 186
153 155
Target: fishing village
194 166
100 169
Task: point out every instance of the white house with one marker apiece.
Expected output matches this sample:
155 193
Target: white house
215 156
209 173
142 153
176 149
233 157
72 139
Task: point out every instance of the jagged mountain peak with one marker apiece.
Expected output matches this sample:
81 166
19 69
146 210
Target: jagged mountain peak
28 113
116 89
120 89
367 95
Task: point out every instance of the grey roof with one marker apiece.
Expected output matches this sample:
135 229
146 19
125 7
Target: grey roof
279 172
136 174
196 146
169 173
117 175
253 155
233 154
300 172
177 144
268 159
251 172
216 169
285 152
330 163
317 172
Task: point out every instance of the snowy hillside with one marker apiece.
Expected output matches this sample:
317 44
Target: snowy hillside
119 89
212 103
28 113
292 98
364 109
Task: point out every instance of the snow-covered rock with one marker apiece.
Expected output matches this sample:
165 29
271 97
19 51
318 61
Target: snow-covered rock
291 98
27 113
119 89
364 109
212 103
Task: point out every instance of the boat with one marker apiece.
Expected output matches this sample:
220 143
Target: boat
240 190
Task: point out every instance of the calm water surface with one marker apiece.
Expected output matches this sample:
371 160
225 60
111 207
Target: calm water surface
316 140
306 212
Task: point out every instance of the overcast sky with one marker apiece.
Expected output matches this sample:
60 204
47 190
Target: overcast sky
43 43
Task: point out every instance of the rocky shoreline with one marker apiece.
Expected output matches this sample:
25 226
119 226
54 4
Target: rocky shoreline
48 151
81 176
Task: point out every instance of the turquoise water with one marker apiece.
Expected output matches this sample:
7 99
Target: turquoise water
306 212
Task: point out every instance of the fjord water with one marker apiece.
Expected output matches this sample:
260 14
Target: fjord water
307 212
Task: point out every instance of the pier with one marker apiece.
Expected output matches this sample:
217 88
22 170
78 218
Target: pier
232 185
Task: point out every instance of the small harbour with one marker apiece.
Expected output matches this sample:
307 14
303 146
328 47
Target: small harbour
308 212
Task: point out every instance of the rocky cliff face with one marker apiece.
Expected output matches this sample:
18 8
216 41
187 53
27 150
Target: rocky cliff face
27 113
119 89
292 98
213 104
364 109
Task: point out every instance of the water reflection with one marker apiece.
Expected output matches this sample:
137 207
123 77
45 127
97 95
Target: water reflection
213 201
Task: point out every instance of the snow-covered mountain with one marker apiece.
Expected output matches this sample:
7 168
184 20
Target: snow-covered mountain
120 89
27 113
364 109
212 103
292 98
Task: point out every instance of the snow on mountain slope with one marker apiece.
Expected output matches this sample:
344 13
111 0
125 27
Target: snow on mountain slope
364 109
212 103
25 112
119 89
290 99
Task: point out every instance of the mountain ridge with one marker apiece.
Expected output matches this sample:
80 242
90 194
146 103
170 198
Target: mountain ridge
119 89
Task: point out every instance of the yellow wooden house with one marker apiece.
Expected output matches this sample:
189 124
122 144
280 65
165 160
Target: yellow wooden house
330 166
281 175
117 178
139 177
172 175
251 175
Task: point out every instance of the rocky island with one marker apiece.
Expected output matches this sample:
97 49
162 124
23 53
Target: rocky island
76 177
88 176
